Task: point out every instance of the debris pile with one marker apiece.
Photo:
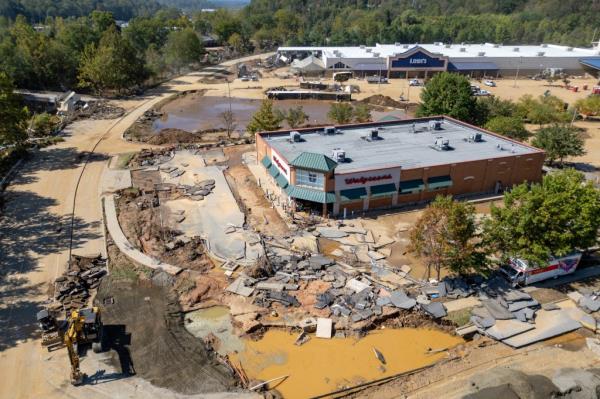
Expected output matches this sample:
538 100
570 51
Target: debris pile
198 191
146 157
72 289
150 116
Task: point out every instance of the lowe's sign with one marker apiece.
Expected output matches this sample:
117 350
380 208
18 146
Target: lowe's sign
419 60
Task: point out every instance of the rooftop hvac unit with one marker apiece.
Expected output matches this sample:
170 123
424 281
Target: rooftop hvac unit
369 50
476 138
448 46
330 131
374 134
376 54
338 155
481 54
362 46
463 50
544 45
435 125
397 44
540 54
405 46
442 144
516 49
295 137
496 45
569 48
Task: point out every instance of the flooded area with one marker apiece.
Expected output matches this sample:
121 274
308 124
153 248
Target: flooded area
215 320
196 112
325 365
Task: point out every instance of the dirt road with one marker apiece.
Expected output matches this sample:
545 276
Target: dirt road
34 241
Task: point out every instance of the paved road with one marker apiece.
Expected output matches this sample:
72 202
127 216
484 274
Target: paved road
34 238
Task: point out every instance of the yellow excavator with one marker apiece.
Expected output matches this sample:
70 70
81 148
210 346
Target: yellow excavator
83 326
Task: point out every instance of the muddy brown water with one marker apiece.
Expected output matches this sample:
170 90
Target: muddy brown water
325 365
198 113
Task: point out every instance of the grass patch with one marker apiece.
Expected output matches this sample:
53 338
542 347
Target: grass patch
124 159
459 317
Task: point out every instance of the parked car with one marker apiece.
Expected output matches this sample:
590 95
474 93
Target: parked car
414 82
482 92
489 83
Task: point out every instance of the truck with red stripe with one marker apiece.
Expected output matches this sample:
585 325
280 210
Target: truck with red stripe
520 272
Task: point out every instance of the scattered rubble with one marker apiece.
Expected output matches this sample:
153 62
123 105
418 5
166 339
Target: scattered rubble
72 289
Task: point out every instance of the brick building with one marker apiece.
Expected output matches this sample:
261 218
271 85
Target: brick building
344 169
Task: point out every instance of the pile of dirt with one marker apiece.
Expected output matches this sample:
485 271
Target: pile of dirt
102 110
145 326
383 101
173 136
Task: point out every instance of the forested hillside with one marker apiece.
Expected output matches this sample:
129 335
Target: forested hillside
196 5
38 10
343 22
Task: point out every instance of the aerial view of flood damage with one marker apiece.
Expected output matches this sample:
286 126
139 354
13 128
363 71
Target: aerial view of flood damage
279 199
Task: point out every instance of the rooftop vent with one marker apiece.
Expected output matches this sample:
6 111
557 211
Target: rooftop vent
516 49
569 48
362 46
540 54
295 137
476 138
397 44
463 50
496 45
376 54
338 155
369 50
481 54
405 46
448 46
330 130
374 134
544 45
499 147
442 144
435 125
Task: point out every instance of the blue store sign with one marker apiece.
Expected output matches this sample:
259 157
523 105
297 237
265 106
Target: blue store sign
419 60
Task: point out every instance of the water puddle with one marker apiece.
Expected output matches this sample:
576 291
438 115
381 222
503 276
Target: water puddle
194 113
215 320
325 365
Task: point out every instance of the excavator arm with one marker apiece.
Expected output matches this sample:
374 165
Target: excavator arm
70 339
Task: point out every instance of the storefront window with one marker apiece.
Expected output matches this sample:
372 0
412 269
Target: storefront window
309 179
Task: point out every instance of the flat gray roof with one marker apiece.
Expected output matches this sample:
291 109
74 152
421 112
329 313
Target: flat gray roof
398 145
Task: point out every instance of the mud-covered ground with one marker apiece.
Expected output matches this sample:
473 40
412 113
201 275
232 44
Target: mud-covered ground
144 326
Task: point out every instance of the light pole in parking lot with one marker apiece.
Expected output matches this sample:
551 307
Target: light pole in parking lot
518 67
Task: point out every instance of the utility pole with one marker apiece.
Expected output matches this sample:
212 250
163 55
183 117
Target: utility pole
517 75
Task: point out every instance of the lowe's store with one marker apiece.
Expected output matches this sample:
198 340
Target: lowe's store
423 60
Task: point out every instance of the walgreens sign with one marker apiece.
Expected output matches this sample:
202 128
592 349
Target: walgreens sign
281 165
365 179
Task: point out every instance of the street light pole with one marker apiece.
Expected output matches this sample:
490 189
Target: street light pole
518 67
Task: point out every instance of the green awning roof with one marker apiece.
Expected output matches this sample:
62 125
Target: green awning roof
281 181
383 190
311 195
266 162
434 183
273 171
411 186
353 194
310 160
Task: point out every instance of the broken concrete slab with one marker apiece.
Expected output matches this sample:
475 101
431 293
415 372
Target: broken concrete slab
435 309
324 328
239 287
357 285
593 344
575 296
382 242
497 311
547 325
516 306
483 322
263 285
504 329
589 303
375 255
516 295
331 232
400 300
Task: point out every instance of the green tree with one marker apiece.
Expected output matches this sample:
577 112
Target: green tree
554 218
589 106
43 124
296 117
445 236
495 106
559 142
182 48
543 110
236 42
113 65
362 113
12 114
341 113
509 126
449 94
265 119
